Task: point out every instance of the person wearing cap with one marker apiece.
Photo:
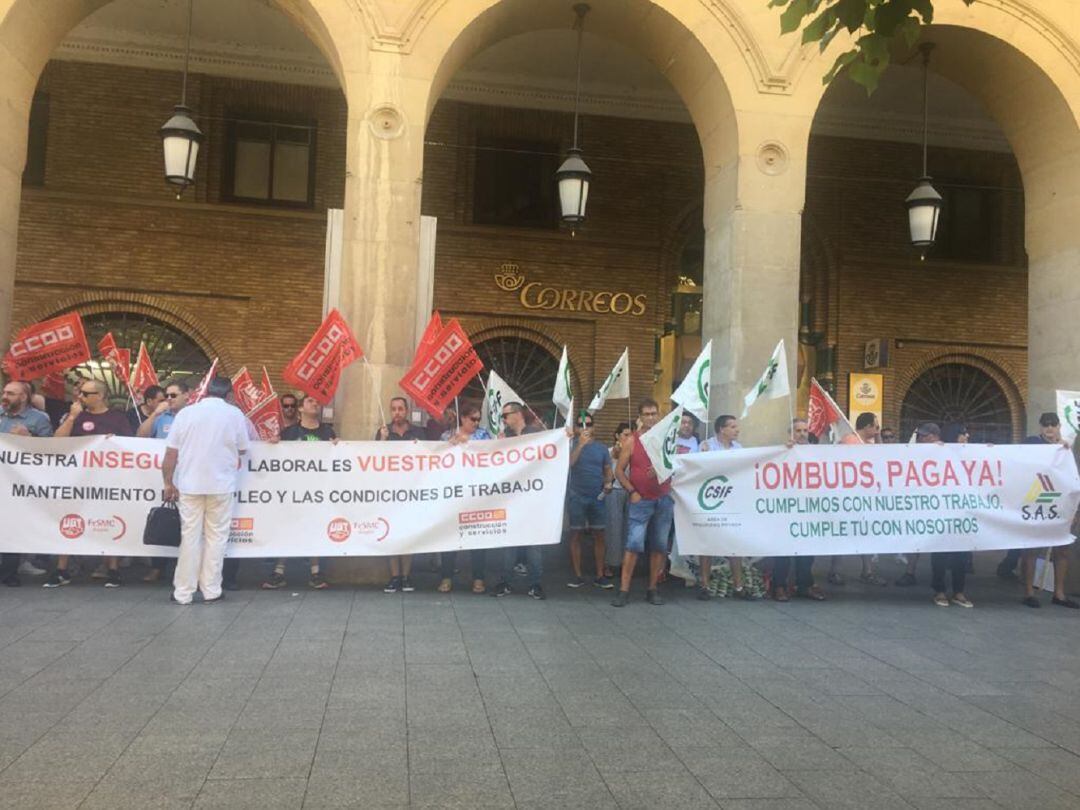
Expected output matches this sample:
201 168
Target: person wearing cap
1049 433
941 562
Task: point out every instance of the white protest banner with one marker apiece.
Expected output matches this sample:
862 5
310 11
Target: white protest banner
91 495
1068 409
868 499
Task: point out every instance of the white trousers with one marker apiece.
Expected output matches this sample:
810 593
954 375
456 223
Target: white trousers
204 531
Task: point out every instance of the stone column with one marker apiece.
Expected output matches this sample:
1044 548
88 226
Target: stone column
753 223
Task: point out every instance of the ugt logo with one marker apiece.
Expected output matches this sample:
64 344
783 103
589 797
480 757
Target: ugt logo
1040 503
714 492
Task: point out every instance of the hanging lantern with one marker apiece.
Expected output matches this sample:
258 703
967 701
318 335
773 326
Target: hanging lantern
573 179
180 138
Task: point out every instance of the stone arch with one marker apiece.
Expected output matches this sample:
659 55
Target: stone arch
94 303
997 368
1025 69
508 327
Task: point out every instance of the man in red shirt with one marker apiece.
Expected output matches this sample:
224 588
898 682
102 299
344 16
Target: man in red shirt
650 510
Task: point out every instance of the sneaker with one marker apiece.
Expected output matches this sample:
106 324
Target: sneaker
153 575
940 600
537 592
407 585
603 583
274 581
703 595
57 579
31 570
112 580
1067 603
620 600
576 582
101 572
1004 572
654 598
962 601
520 569
502 589
12 581
1031 602
836 578
229 585
906 580
393 586
873 579
318 582
780 594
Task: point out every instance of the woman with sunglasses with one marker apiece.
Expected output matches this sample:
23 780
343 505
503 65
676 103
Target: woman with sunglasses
468 429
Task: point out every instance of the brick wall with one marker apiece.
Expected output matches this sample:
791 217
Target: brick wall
246 281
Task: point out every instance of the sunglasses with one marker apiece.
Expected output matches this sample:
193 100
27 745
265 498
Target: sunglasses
88 393
288 404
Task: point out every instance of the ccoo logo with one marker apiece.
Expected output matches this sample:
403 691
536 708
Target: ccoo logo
714 492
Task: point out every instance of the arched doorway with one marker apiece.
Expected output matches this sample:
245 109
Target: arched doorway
958 393
527 367
174 355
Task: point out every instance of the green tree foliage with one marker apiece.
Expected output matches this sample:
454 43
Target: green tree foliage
874 23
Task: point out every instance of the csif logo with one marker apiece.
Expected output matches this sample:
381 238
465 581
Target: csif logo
714 492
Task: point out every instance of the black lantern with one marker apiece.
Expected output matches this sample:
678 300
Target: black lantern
924 203
180 137
573 175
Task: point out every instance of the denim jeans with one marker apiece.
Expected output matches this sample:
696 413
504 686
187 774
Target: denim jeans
534 560
650 522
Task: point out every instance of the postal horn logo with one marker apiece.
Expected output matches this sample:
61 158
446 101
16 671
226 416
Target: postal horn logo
509 277
714 492
1042 490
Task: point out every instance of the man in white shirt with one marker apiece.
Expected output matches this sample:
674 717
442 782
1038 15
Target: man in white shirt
202 457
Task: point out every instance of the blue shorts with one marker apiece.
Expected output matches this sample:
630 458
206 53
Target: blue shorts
649 521
585 512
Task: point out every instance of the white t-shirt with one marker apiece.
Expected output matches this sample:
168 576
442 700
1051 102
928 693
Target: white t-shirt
209 437
712 444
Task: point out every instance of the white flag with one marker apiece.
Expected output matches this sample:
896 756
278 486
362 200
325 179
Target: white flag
659 444
563 395
1068 409
693 391
774 380
617 384
497 395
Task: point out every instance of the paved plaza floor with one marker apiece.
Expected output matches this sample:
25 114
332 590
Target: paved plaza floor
353 698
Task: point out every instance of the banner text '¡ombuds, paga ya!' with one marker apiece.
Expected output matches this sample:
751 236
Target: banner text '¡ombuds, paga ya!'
816 475
470 459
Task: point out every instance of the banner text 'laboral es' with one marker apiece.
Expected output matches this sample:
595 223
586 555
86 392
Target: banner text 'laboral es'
91 496
866 499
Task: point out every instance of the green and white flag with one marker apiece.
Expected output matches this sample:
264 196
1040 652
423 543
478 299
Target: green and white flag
616 386
693 391
659 444
1068 408
774 380
497 395
563 395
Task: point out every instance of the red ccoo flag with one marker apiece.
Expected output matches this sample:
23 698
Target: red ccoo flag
143 375
246 393
823 413
53 345
200 392
317 369
441 369
119 360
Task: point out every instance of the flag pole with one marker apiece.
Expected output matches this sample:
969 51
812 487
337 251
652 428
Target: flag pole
374 385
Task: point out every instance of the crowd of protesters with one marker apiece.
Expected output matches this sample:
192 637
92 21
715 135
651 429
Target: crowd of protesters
613 498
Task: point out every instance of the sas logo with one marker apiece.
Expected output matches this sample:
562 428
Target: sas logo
714 492
481 516
1040 503
72 526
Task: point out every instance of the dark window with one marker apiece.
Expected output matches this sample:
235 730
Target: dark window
956 393
969 229
515 183
34 172
270 163
527 367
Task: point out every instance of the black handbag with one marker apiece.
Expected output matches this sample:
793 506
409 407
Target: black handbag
162 526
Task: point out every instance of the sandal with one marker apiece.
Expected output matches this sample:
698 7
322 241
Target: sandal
781 595
813 592
478 586
445 586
